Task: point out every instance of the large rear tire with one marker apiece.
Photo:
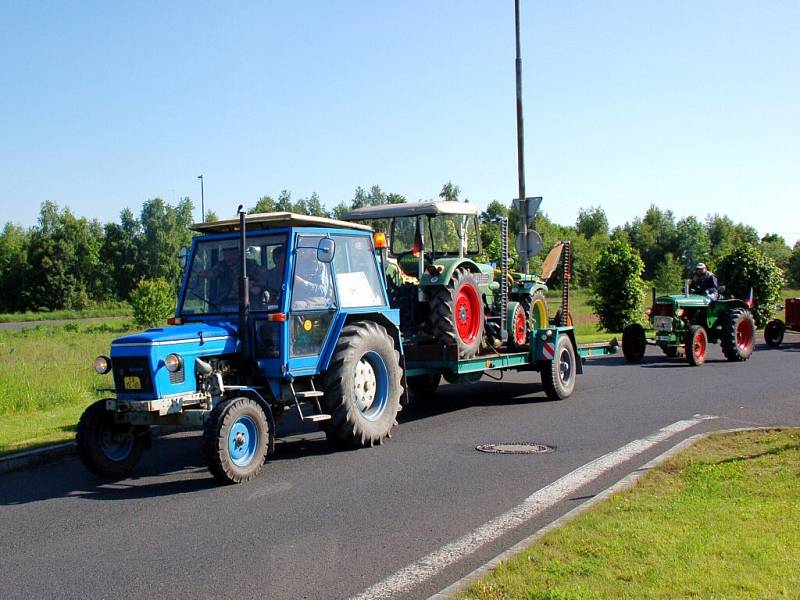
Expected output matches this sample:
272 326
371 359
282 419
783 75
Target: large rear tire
456 313
363 385
236 440
634 343
738 335
106 448
696 345
773 333
558 375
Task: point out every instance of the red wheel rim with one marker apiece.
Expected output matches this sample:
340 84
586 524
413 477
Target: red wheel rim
699 345
744 334
519 327
468 314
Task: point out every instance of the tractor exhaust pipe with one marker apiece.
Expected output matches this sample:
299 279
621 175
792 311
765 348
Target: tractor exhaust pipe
244 288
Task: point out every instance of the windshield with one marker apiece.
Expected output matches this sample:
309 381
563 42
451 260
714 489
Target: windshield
442 234
215 272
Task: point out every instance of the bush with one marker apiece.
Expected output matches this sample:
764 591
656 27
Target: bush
153 301
747 267
618 287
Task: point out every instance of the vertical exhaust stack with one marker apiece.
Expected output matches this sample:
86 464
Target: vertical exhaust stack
244 288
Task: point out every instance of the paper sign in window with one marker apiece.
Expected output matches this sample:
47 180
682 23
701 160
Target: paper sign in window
355 290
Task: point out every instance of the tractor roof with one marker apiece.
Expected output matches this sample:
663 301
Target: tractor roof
275 220
411 209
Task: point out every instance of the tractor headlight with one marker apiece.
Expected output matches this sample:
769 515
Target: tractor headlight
173 362
102 365
679 312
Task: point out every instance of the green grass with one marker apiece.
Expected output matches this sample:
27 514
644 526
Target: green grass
119 309
718 521
47 379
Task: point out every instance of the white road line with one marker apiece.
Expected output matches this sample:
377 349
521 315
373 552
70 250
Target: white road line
409 577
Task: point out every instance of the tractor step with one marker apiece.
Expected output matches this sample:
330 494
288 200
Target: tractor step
316 418
308 394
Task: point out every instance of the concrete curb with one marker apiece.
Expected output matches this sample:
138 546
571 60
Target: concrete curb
50 454
623 484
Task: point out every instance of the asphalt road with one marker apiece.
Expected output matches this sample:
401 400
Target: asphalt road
320 524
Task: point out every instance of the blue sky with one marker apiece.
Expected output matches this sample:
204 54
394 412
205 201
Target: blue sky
693 106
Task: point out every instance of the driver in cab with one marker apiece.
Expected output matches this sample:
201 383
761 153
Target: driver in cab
704 282
227 274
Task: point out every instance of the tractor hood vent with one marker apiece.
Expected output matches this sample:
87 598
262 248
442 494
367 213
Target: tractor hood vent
191 332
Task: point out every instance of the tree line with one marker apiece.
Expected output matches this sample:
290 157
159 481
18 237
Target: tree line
71 262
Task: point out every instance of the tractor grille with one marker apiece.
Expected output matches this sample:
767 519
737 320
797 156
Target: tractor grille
178 376
792 311
132 374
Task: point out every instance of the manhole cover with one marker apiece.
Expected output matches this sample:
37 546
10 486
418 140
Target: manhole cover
516 448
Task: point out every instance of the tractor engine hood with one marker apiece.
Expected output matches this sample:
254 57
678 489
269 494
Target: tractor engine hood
684 301
138 360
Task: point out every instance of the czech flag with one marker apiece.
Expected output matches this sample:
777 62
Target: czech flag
749 301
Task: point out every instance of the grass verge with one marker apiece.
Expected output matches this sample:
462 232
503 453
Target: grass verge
47 379
121 309
720 520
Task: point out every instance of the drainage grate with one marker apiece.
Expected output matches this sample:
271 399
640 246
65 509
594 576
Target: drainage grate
516 448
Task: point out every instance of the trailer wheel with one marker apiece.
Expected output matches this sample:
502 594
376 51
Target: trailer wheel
363 385
773 333
424 386
235 440
696 345
634 342
106 448
558 375
738 335
456 313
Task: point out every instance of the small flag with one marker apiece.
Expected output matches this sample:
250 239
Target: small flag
749 300
417 247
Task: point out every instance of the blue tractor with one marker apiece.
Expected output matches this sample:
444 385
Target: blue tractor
276 312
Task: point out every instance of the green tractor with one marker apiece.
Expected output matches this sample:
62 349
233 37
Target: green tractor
443 294
685 324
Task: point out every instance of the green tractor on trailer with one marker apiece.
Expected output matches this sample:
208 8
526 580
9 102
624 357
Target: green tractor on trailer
685 324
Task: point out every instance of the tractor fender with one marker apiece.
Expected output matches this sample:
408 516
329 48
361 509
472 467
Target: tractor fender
449 265
262 402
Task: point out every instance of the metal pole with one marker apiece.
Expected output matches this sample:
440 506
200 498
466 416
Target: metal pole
202 200
523 204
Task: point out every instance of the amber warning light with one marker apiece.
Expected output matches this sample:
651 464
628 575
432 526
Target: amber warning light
380 240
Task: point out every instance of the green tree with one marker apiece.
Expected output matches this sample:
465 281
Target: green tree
153 301
14 268
692 244
668 276
284 203
653 236
746 268
794 266
776 248
314 206
165 230
618 287
121 253
265 204
592 222
725 236
450 191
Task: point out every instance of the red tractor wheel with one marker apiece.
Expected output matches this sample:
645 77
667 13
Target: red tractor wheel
738 335
456 315
518 335
696 345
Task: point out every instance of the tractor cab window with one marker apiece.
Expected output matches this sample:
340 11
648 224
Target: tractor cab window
450 233
402 235
215 272
357 278
312 286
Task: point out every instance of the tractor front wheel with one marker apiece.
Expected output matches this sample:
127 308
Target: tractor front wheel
518 327
773 333
738 335
106 448
363 385
634 343
236 440
456 313
696 345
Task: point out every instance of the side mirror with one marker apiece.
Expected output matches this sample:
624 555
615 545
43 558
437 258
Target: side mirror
183 255
325 250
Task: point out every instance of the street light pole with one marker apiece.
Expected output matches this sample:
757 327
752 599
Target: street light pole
202 200
523 204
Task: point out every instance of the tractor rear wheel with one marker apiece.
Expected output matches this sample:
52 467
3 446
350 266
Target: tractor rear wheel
518 330
696 345
456 313
236 439
535 307
773 333
106 448
558 375
738 335
424 386
634 342
363 385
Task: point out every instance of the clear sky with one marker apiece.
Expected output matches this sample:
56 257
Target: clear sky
693 106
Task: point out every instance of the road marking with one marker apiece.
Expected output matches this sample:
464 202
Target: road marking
425 568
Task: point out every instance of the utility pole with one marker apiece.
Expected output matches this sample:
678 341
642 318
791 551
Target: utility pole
523 203
202 200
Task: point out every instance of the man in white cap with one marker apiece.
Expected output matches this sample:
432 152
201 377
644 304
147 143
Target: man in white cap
704 282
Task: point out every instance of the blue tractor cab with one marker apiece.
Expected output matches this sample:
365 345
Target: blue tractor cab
276 311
